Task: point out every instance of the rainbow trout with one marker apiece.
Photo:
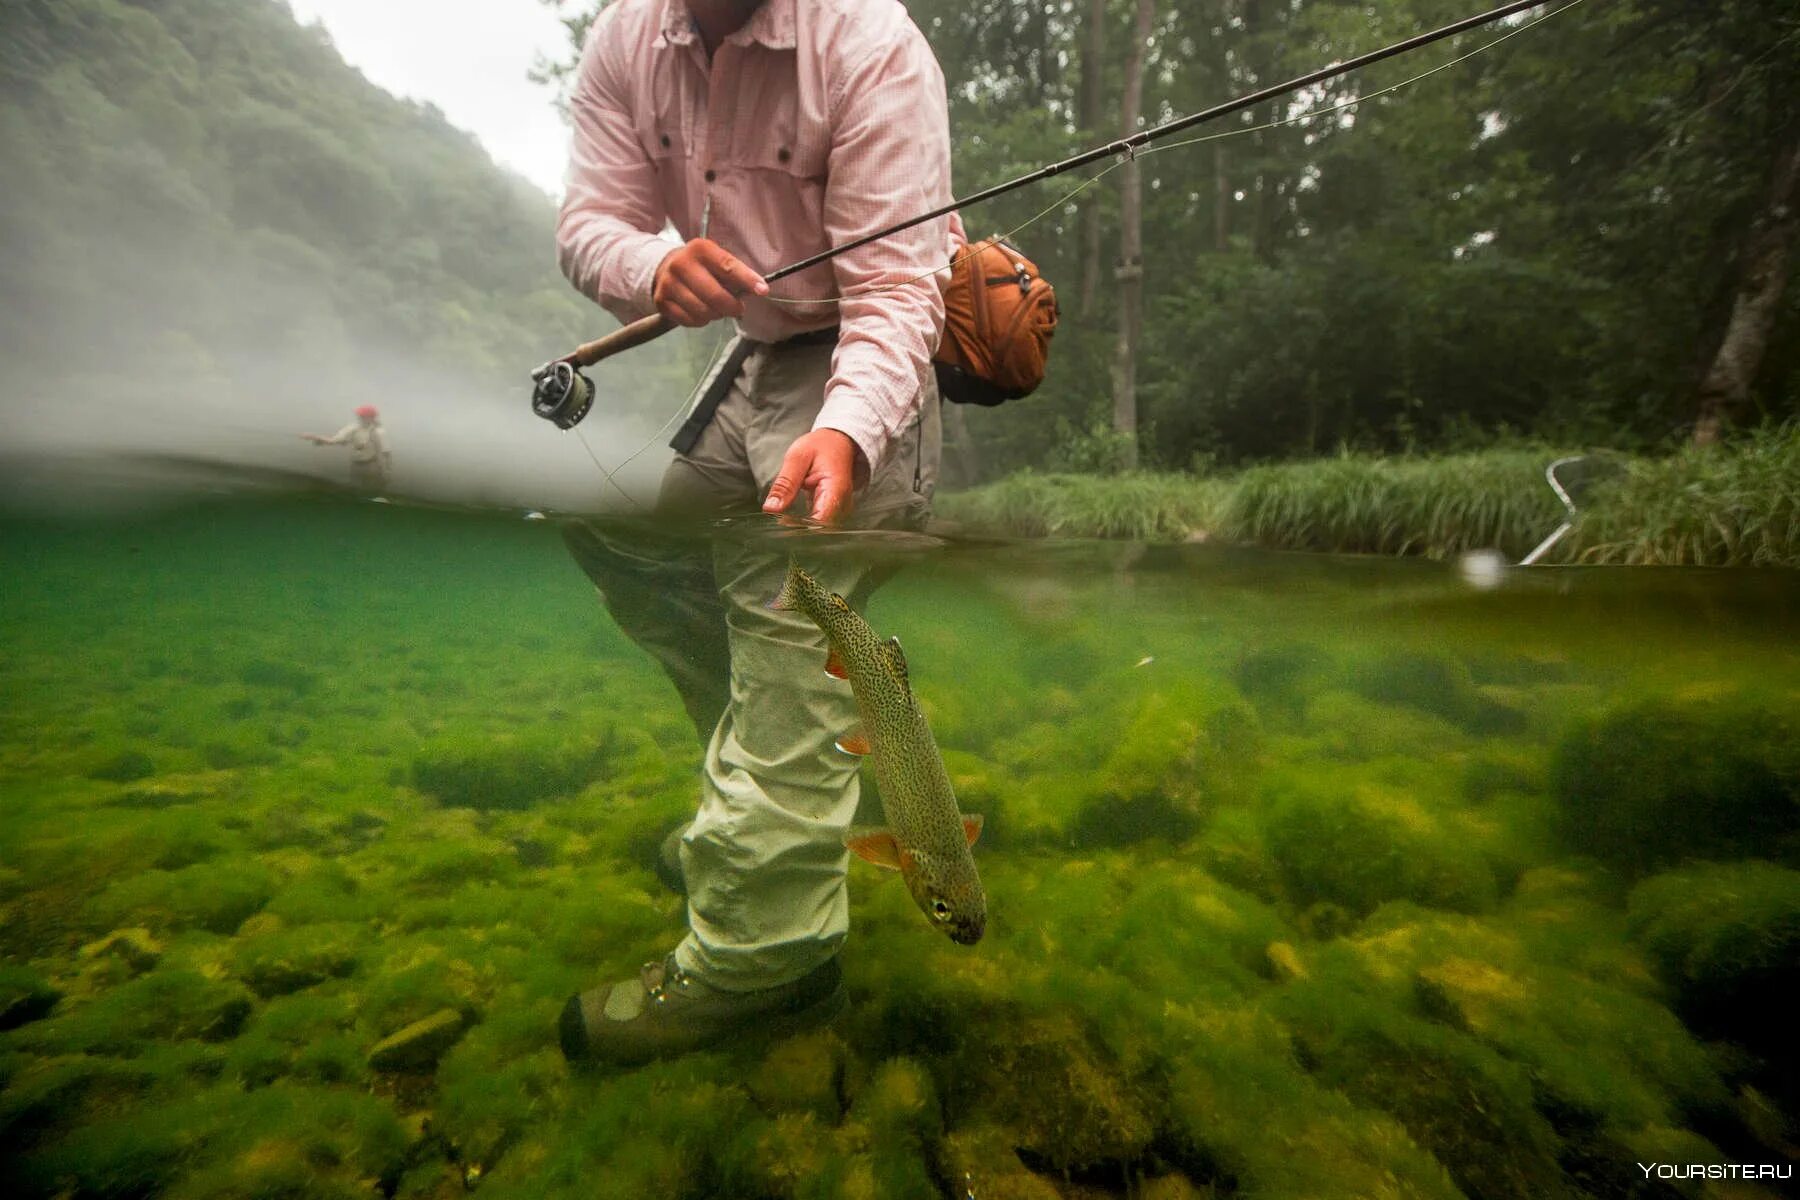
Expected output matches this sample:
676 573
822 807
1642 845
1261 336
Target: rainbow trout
927 840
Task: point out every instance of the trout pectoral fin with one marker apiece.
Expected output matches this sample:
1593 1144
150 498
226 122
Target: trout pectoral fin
971 826
875 845
854 741
834 666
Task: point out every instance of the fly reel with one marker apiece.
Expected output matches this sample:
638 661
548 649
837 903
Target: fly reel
561 394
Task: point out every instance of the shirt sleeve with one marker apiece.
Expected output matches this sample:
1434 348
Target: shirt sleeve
890 160
343 435
612 212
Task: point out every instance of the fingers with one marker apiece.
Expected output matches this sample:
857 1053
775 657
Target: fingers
700 282
831 500
795 466
734 275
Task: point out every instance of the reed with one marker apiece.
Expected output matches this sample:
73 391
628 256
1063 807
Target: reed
1734 505
1731 505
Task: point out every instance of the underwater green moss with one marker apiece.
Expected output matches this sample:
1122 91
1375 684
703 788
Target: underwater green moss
480 771
1727 938
1280 906
1653 783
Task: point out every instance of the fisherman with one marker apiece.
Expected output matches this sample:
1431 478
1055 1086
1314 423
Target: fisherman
764 131
370 459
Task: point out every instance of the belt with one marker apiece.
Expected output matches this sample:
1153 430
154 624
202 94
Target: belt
714 390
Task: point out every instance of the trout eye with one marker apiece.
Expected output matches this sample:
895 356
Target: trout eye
940 910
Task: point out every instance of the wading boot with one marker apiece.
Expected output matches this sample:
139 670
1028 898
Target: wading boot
665 1011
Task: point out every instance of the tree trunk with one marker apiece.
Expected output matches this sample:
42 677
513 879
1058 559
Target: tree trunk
1767 264
1131 247
1092 90
1221 200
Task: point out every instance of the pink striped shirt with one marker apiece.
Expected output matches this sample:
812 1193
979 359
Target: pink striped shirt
818 121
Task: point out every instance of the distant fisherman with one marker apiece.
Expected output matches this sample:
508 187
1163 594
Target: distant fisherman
370 459
927 839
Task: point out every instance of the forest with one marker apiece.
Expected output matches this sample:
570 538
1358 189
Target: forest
203 202
1581 235
1550 239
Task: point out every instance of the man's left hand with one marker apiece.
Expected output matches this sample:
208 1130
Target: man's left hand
826 463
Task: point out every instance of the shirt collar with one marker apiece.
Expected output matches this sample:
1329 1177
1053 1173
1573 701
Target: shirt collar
771 25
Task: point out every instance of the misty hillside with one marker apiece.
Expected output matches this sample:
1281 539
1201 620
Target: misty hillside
206 178
214 233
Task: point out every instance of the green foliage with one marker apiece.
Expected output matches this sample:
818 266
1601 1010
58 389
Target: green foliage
1729 505
1653 783
1737 505
207 190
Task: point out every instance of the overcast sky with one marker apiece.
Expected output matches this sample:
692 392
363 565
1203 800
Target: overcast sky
468 57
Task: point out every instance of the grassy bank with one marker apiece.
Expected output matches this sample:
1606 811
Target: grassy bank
1737 505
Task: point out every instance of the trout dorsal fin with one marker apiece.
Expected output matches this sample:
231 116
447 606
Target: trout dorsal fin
896 658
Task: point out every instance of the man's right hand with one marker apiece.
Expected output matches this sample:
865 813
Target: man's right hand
700 282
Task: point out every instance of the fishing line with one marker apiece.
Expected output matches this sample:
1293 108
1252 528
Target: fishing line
1139 152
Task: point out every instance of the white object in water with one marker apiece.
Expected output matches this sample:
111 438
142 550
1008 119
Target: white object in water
1146 660
535 515
1482 570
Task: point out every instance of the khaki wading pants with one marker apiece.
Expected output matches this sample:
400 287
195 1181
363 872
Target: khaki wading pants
764 859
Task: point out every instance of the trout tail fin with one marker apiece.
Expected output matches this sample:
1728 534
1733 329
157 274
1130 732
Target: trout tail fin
789 595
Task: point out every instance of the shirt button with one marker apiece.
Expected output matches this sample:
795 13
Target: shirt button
665 141
783 154
710 177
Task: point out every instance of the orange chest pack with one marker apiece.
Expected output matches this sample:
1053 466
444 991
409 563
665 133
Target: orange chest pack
999 317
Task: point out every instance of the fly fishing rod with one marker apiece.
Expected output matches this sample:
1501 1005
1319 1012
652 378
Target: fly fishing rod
563 395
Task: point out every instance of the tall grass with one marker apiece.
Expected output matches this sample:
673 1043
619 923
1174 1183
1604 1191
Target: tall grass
1732 505
1138 507
1737 505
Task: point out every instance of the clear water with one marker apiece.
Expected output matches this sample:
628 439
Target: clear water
1307 877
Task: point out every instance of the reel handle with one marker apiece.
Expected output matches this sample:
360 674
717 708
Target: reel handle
645 329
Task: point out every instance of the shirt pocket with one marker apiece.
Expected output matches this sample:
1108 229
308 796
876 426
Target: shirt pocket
770 130
665 126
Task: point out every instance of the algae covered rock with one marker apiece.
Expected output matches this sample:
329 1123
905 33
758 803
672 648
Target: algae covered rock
285 960
470 770
163 1006
802 1074
216 896
1438 684
419 1046
1469 1107
1653 784
134 947
1727 937
25 996
1067 1103
1149 786
1370 843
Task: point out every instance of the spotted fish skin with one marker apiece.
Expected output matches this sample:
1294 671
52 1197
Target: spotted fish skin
930 837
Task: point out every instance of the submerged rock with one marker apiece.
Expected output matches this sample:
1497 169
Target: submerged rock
1653 784
419 1046
802 1074
1726 937
285 960
1066 1103
25 996
134 947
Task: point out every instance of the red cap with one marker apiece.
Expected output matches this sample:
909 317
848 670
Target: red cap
367 410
